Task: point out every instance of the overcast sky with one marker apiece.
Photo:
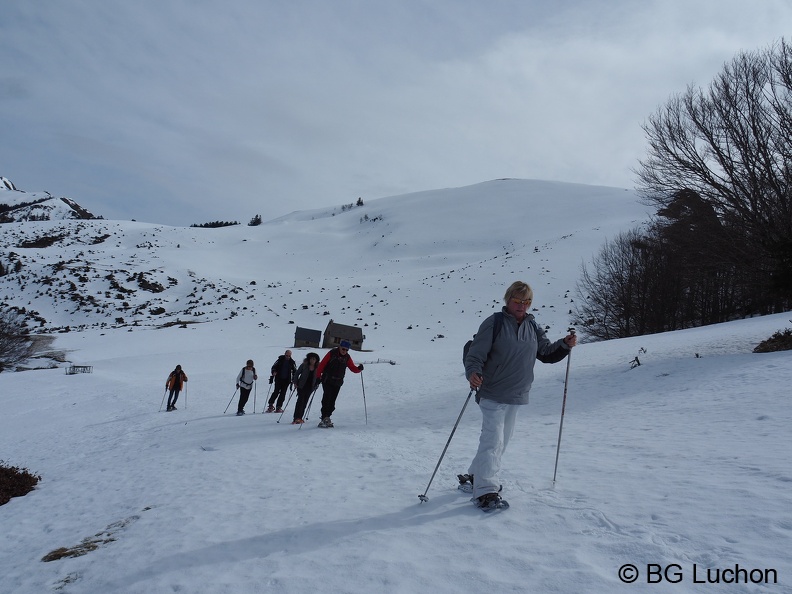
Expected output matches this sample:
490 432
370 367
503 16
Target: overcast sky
187 111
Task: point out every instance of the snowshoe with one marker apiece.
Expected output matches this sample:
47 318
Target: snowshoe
270 409
240 413
465 483
490 502
297 422
278 410
325 423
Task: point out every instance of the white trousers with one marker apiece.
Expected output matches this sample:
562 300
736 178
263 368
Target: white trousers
497 428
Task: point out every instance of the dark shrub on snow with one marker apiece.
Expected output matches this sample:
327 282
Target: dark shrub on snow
15 482
780 341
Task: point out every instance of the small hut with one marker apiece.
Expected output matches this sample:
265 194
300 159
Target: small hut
305 337
335 333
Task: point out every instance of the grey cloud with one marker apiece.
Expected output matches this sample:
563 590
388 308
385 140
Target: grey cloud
215 107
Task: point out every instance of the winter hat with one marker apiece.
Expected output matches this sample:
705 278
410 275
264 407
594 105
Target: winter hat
345 344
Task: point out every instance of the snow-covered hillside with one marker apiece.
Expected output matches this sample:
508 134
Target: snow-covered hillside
675 472
359 265
18 206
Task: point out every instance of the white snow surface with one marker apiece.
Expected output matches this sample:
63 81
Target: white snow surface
682 462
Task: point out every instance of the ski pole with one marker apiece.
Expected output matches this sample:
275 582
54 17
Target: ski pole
563 408
232 399
254 397
185 397
266 399
365 409
287 403
308 408
163 399
423 497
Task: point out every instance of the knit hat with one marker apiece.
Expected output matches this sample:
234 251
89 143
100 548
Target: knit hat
345 344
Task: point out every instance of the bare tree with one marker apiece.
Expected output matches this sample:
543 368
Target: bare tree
630 290
731 144
15 342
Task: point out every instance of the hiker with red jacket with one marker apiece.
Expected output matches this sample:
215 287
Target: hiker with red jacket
331 373
175 383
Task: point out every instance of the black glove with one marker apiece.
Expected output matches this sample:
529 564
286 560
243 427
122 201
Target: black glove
272 378
360 367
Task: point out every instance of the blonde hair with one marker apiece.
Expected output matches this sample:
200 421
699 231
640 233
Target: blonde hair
519 289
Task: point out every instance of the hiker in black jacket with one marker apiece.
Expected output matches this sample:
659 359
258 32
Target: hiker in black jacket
282 374
305 381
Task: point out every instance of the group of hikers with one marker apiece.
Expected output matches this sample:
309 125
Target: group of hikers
499 367
305 379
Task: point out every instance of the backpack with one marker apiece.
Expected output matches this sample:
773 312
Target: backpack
242 374
496 328
335 369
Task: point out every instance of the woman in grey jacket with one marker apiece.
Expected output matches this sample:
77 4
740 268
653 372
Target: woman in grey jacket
499 366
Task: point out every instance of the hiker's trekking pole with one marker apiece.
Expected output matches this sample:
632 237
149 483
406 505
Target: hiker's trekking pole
232 399
308 408
365 409
423 497
563 407
254 397
163 399
266 398
185 397
291 392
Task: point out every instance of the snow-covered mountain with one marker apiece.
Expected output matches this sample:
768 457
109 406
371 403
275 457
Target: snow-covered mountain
17 206
674 474
356 264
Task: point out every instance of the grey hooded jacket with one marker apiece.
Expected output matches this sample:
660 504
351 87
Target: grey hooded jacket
507 367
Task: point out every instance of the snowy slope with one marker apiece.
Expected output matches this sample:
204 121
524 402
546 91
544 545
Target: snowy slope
18 206
683 461
312 266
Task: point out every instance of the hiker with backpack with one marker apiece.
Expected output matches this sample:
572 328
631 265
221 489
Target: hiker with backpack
331 374
305 381
499 366
282 373
174 383
244 382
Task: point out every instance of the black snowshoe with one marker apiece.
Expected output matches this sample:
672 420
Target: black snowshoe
465 483
491 502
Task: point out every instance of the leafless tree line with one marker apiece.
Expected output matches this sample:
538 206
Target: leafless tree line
719 172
